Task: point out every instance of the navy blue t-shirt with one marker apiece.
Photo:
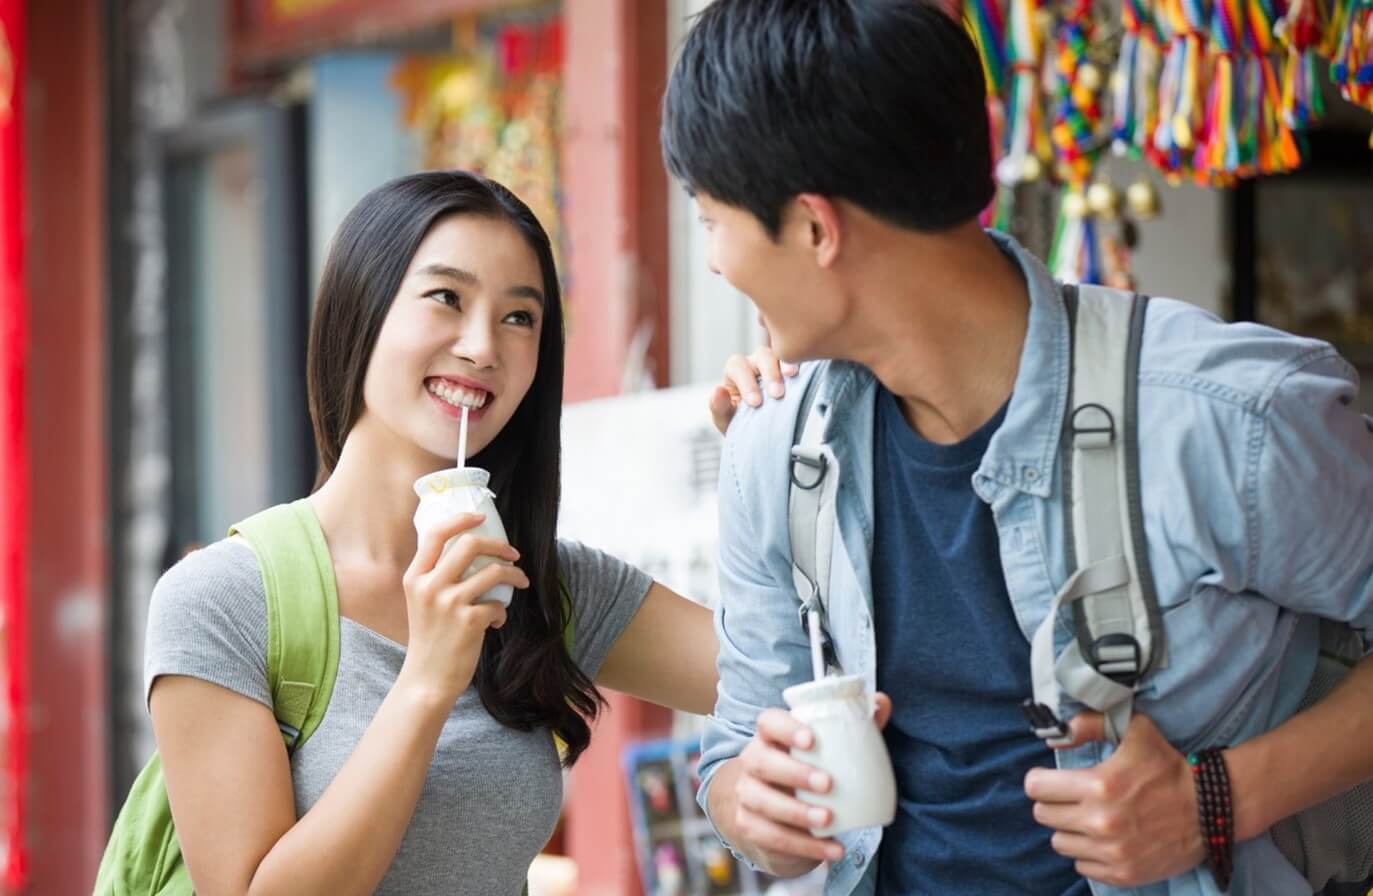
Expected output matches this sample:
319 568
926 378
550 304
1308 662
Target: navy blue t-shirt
956 665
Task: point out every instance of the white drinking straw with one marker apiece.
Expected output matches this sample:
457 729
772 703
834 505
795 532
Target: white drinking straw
462 439
817 653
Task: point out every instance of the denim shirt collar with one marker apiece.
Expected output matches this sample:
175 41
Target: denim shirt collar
1023 452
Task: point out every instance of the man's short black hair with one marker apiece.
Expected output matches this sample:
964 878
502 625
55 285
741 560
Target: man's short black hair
879 102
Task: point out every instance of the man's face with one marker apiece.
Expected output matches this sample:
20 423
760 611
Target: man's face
796 298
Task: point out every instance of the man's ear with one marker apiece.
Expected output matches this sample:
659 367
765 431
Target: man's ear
818 220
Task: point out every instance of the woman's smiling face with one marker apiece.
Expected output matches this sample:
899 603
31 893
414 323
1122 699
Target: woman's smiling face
462 330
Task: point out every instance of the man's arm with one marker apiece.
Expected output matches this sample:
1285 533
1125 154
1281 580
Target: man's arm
1132 820
747 775
1311 549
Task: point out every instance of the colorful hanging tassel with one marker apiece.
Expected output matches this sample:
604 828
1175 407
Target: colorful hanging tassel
1188 122
1077 109
1219 156
1352 63
1278 151
1026 143
1300 32
1182 98
982 19
1134 86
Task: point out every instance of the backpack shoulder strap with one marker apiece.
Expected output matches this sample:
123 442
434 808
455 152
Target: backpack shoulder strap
1118 631
810 513
302 614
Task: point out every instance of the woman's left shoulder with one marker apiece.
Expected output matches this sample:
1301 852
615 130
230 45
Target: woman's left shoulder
590 573
579 561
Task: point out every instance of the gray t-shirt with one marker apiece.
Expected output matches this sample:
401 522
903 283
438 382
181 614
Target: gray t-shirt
492 795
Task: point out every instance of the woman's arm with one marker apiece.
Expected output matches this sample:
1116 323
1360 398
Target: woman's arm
229 783
666 654
229 780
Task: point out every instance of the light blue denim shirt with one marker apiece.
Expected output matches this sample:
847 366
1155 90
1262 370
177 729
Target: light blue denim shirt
1258 510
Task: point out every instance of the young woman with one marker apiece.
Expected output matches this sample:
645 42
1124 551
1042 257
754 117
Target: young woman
434 769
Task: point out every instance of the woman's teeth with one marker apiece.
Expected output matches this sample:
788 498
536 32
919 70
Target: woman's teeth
457 396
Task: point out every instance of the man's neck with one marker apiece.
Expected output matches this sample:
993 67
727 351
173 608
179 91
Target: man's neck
942 326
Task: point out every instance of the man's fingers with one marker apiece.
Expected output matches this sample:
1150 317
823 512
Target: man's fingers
772 766
778 806
782 729
1076 846
790 369
1066 817
784 840
1048 785
882 709
1085 727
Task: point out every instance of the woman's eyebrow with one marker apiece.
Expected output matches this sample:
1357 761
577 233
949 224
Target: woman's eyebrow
467 278
438 269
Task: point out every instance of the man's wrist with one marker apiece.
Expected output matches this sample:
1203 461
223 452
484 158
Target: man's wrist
722 807
1245 764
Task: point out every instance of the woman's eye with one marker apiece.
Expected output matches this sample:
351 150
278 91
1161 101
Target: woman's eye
444 296
521 318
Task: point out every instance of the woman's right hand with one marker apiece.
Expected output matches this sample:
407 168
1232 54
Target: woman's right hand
742 378
446 624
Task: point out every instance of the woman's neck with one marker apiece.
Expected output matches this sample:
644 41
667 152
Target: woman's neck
367 506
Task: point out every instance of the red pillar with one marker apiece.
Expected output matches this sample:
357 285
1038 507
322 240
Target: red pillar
67 589
616 221
615 215
13 449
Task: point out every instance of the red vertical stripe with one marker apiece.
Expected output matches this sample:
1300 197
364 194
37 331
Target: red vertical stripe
14 476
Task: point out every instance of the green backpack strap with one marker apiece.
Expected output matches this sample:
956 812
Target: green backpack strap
302 614
143 855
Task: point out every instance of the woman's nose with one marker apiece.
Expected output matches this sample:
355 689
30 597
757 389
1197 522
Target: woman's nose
476 344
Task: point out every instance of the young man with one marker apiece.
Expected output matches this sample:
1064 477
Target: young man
838 150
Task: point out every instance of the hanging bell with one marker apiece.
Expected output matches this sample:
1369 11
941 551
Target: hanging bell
1103 199
1142 197
1089 76
1075 205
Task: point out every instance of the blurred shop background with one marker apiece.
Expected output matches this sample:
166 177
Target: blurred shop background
171 172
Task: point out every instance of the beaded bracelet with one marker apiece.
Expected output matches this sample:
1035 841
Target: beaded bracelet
1216 812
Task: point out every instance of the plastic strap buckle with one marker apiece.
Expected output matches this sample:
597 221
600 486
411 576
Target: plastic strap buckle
1042 720
1117 656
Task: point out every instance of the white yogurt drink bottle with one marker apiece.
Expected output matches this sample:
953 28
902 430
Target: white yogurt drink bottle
447 493
850 748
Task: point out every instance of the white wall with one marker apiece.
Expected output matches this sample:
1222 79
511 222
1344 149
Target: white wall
711 320
1183 253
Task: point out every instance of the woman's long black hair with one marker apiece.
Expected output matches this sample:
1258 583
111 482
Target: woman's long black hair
526 677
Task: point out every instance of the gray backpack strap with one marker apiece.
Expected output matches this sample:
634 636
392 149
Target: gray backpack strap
810 513
1116 619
